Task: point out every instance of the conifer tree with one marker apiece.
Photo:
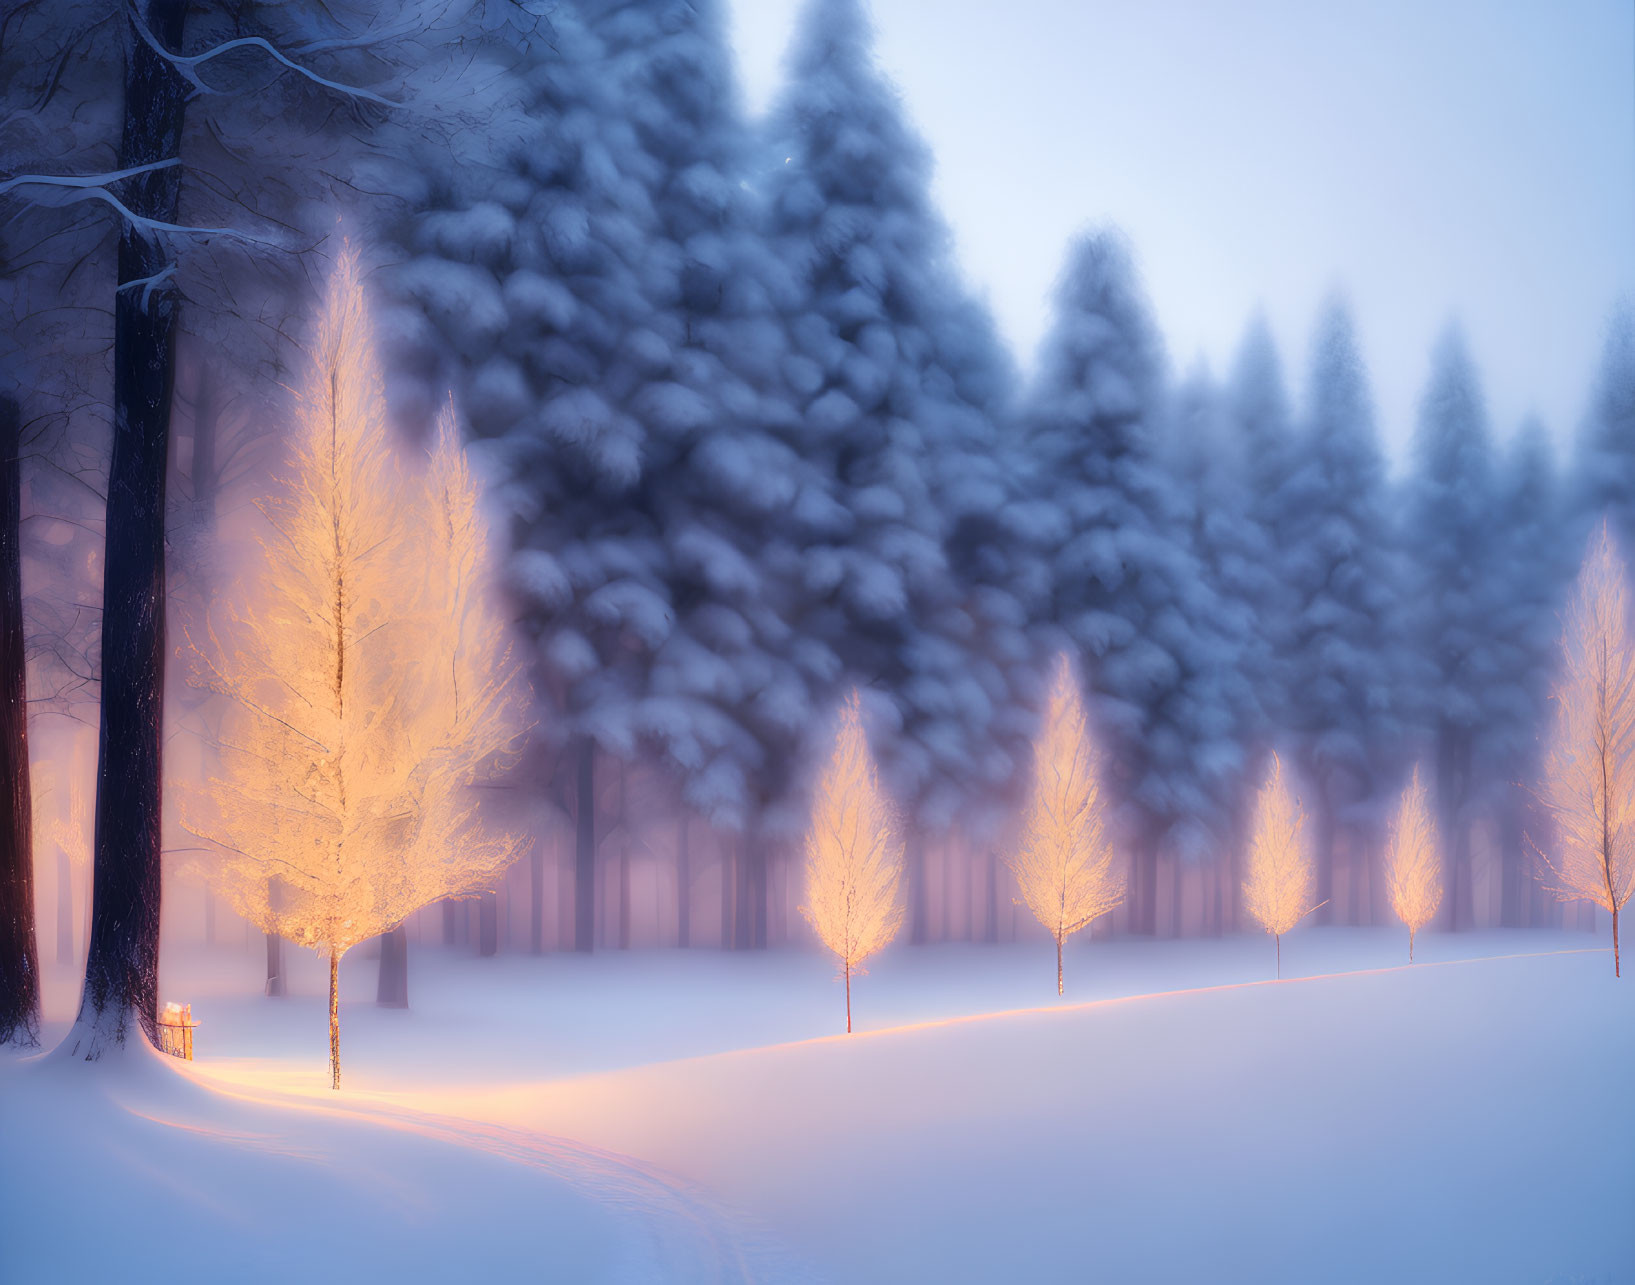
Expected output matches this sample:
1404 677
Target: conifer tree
854 855
1066 865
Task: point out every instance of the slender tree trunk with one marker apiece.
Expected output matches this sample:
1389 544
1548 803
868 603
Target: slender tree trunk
19 952
488 924
1617 971
848 997
728 880
919 909
334 1019
990 912
1177 888
1326 829
584 863
684 883
1279 939
122 956
65 908
624 858
1059 988
275 966
759 904
1410 943
536 901
276 987
392 989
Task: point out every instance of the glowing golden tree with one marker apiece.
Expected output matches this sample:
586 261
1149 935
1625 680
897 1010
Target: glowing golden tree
854 855
360 712
1413 861
1278 890
1065 863
1589 770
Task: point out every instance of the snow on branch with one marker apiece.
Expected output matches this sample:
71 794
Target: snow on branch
186 65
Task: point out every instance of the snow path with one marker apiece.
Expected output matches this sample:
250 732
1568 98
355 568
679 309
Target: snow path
689 1232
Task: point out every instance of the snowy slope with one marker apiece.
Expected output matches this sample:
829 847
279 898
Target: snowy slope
1176 1118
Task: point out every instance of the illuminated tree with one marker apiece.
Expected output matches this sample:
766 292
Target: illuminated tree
360 714
1589 769
1278 891
1413 864
854 855
1064 865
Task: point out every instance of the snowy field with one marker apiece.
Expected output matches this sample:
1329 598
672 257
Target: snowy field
692 1116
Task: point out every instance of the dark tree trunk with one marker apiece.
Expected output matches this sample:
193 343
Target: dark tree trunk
122 957
536 901
684 883
392 990
919 909
65 908
488 924
584 860
19 953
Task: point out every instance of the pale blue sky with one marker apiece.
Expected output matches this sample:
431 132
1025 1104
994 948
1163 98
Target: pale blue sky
1433 158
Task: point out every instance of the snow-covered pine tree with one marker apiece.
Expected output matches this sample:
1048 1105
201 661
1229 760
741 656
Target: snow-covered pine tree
1604 467
1345 658
1204 449
1535 560
906 565
1457 590
1129 592
1263 439
530 284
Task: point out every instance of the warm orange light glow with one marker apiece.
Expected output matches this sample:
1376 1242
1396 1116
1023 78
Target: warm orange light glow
854 855
1065 863
1413 862
369 683
1278 891
1589 772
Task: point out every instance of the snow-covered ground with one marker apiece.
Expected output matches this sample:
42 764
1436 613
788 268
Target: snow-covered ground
694 1116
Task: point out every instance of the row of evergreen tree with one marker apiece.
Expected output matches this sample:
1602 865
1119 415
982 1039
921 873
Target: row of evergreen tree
756 442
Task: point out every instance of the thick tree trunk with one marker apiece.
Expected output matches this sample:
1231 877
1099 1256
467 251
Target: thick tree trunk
392 989
488 924
684 882
65 908
334 1019
122 956
536 901
584 861
19 952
